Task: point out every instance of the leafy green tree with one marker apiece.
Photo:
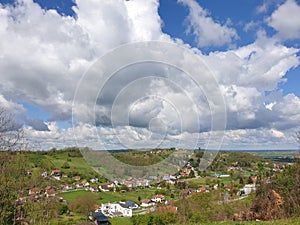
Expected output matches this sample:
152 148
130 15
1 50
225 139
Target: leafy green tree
84 204
65 165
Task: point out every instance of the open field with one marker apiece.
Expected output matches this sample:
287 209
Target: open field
104 197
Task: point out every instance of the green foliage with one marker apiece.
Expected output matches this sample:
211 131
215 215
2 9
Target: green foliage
65 165
287 185
12 180
84 204
63 209
142 158
156 218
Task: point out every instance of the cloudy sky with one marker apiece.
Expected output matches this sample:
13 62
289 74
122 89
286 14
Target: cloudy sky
234 83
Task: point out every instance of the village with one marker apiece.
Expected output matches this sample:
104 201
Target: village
159 193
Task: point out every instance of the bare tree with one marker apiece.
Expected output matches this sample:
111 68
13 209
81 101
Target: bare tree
11 167
11 135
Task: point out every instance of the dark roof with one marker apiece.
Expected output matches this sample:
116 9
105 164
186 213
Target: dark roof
100 217
130 203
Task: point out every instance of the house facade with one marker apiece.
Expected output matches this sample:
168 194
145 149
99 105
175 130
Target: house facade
116 210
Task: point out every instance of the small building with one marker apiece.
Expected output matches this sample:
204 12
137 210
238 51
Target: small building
104 188
27 172
185 172
56 174
50 192
131 204
94 180
147 203
85 183
94 189
76 178
79 185
223 175
202 189
158 198
99 218
67 187
253 179
248 188
34 191
44 174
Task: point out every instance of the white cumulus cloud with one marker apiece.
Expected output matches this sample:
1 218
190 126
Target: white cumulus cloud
207 31
285 20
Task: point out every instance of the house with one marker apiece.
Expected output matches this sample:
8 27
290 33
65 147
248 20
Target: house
153 178
56 174
79 185
103 187
85 183
166 177
111 184
44 174
247 189
203 189
34 191
116 210
131 204
223 175
99 218
94 189
189 191
185 172
76 178
173 176
169 178
50 192
67 187
27 172
147 202
253 179
94 180
142 183
216 186
158 198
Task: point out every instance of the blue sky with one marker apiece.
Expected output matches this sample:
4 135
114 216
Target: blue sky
252 48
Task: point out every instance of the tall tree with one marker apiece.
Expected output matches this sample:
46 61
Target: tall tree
84 204
11 167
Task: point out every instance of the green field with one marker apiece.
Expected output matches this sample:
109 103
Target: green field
104 197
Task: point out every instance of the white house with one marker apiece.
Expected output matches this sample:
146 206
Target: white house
147 202
248 188
93 189
94 180
79 185
44 174
67 187
158 198
111 184
104 187
116 210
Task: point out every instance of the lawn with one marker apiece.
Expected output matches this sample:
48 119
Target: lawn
72 195
121 221
104 197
